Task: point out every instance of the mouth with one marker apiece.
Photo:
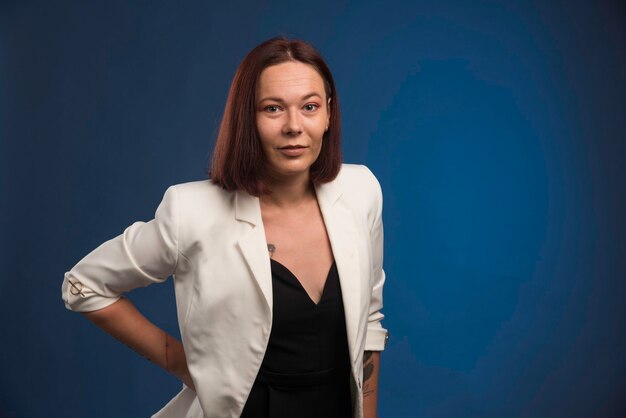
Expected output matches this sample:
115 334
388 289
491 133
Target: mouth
293 151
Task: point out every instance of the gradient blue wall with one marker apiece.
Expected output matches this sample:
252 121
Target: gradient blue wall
497 130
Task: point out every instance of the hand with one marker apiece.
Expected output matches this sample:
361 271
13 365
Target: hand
176 362
186 379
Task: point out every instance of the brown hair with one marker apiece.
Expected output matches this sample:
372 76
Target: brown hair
238 159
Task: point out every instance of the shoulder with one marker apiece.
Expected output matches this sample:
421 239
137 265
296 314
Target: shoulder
202 193
361 188
359 176
198 187
192 209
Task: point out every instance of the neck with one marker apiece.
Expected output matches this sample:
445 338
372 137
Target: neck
288 192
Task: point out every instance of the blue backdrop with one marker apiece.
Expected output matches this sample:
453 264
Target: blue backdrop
497 130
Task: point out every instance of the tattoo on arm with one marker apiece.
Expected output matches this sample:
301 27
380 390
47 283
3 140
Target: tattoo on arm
368 370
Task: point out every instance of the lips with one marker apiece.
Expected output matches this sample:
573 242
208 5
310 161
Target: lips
293 150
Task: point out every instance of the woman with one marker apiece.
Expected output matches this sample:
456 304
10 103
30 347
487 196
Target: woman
277 259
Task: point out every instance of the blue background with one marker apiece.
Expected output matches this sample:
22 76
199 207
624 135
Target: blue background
497 130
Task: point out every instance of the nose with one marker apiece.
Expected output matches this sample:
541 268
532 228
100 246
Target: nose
293 125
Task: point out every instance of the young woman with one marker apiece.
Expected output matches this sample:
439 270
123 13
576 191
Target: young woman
276 259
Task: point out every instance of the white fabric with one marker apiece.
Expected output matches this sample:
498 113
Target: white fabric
213 243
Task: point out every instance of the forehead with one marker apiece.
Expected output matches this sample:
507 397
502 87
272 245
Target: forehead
290 78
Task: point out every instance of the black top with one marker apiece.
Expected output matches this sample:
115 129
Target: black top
306 369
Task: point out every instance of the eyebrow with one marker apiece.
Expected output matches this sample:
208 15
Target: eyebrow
278 99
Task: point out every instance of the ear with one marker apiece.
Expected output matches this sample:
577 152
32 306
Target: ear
328 110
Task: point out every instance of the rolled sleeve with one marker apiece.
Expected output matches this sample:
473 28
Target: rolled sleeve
376 335
145 253
376 339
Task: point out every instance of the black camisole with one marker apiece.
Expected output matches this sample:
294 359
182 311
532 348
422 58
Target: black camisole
306 369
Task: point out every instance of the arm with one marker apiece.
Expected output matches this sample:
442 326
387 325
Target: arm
371 365
145 253
376 335
125 323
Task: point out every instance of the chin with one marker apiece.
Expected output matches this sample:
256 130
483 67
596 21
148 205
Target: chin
290 169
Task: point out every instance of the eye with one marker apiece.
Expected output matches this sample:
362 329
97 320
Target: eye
311 107
272 108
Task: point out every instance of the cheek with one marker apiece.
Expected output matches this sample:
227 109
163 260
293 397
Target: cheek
316 127
320 130
265 132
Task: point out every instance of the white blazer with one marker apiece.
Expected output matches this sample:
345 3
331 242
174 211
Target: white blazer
213 242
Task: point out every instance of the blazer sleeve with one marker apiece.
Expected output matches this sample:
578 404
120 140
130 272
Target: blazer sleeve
145 253
376 338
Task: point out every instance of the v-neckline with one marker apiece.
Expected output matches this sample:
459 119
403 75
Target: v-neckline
300 283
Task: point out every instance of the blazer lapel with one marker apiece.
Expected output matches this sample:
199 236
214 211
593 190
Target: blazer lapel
253 245
341 229
342 232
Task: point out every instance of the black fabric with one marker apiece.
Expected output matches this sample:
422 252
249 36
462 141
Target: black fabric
306 369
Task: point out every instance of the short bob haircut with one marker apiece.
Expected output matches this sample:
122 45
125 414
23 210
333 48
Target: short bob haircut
238 160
